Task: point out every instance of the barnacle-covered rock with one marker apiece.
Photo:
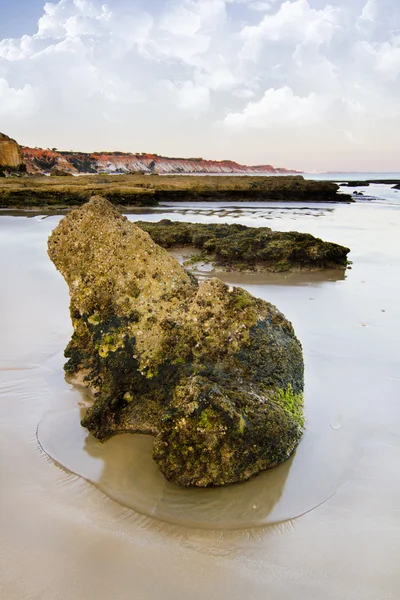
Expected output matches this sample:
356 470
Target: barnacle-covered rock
214 374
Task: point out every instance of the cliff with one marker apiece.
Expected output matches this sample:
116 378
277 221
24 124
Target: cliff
10 154
40 161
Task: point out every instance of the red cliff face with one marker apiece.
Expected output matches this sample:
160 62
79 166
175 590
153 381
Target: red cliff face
49 161
40 161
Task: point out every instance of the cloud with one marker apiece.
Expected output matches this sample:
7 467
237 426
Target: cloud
261 6
384 59
187 97
243 93
369 11
295 22
252 4
207 76
21 101
278 108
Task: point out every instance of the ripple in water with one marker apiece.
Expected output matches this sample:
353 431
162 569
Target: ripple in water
124 470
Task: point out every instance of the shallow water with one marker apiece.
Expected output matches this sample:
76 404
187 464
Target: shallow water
352 176
64 538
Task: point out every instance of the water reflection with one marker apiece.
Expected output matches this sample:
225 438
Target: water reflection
292 278
123 469
300 278
219 211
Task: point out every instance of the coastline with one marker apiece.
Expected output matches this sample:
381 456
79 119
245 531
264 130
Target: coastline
146 190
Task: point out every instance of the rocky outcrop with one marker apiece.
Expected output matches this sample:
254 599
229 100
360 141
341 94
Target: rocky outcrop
47 161
10 153
214 374
357 184
248 248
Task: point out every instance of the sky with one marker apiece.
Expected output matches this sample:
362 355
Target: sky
302 84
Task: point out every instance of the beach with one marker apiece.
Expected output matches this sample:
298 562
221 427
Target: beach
79 519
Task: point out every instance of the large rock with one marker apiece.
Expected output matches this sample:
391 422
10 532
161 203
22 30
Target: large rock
237 247
213 373
10 153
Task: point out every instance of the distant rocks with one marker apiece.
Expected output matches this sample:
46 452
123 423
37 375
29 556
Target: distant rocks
214 374
386 181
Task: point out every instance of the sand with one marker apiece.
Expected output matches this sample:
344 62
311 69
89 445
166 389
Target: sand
63 538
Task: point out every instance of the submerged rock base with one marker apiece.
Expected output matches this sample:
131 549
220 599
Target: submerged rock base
215 375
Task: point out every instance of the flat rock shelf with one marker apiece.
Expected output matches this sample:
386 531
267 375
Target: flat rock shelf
151 190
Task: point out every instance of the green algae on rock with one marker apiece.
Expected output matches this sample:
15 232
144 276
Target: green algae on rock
214 374
248 248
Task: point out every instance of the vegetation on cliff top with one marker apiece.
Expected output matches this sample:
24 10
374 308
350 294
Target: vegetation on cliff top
145 190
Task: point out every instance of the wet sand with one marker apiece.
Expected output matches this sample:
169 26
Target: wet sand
62 537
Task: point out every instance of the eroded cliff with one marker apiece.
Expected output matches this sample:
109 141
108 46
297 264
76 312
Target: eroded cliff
10 153
40 161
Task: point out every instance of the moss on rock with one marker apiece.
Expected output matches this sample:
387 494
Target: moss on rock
213 373
248 248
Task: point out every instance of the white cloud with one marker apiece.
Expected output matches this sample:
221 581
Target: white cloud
261 6
190 17
294 22
244 93
221 80
187 96
383 58
277 109
369 10
257 5
21 101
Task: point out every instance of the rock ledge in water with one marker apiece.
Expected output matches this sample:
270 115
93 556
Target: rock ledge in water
213 373
240 248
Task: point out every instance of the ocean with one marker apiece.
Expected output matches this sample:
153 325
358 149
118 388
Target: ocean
80 519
